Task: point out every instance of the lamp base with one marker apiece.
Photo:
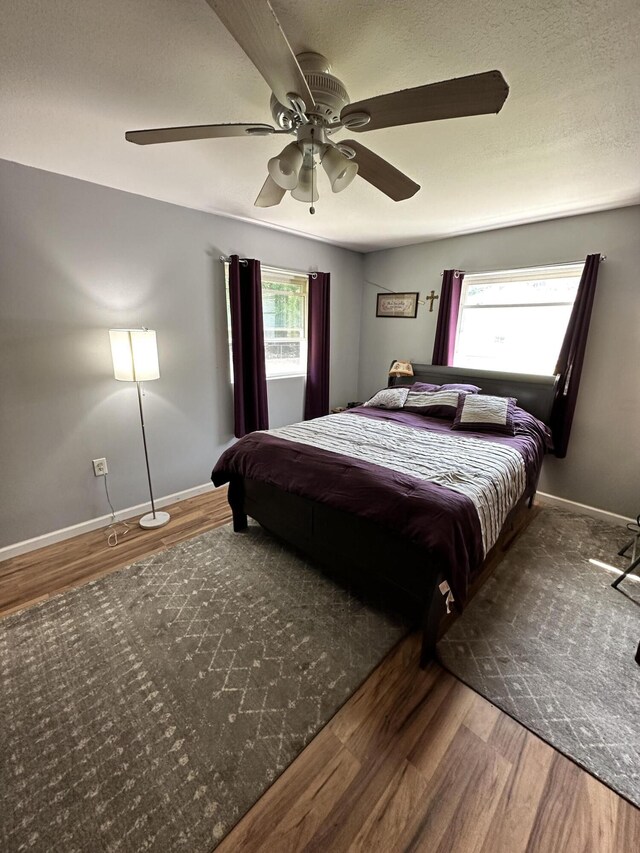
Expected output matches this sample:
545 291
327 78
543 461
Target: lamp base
148 521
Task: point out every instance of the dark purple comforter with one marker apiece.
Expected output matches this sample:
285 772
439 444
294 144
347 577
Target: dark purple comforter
441 521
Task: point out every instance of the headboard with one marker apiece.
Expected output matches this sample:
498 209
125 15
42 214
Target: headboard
533 393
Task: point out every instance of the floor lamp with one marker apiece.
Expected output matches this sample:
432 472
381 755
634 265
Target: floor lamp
135 359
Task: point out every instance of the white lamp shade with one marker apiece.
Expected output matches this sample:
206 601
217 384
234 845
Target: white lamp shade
340 170
285 167
135 354
303 191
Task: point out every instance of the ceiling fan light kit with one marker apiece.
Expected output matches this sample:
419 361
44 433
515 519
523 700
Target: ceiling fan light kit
311 104
284 168
340 170
307 189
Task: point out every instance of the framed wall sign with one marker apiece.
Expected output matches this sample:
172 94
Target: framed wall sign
397 305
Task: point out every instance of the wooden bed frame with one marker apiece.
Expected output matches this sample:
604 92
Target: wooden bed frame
345 544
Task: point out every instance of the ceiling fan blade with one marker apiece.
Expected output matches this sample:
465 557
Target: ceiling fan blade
476 94
255 27
196 131
381 174
270 194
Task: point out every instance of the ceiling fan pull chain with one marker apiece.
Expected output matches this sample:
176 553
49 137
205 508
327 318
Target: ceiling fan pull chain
313 172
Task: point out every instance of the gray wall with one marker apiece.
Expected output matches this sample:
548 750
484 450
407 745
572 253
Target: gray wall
77 259
603 463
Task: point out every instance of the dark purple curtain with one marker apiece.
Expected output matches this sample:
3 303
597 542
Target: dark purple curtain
316 396
445 340
250 407
572 356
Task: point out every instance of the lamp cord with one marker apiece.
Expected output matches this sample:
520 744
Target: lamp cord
112 530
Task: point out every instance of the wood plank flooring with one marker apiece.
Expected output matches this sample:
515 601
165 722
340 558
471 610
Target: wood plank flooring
414 761
35 576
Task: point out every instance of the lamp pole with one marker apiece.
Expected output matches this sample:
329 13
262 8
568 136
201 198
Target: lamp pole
146 454
153 518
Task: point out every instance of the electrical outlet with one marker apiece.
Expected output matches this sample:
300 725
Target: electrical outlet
100 467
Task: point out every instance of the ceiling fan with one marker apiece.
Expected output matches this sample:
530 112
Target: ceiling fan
310 104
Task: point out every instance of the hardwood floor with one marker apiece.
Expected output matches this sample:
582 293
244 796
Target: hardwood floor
35 576
414 761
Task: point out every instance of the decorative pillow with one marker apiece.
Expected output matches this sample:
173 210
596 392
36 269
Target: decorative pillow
435 404
484 413
456 386
388 398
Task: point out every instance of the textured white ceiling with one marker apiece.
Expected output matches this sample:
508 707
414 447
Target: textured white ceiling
75 74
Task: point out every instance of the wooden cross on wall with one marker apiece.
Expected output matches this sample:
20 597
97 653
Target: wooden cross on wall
430 298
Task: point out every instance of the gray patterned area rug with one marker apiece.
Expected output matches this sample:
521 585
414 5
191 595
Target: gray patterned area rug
551 643
148 710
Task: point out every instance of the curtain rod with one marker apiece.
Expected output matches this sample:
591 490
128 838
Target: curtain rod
535 267
225 260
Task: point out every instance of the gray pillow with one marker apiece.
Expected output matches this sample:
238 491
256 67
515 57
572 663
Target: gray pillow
388 398
485 413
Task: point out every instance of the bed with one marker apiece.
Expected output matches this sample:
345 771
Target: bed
395 495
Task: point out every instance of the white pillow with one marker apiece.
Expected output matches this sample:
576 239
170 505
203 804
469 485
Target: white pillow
485 413
388 398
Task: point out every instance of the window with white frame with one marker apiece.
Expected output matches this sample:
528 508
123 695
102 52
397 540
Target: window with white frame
284 309
515 320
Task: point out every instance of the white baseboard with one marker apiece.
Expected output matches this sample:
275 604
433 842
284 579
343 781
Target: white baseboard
102 521
94 523
593 511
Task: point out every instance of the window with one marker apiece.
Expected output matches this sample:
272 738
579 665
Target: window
284 309
284 306
515 320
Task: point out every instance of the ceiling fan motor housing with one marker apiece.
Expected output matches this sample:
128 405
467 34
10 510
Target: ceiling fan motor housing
329 93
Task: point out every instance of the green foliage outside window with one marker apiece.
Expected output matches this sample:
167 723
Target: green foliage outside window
283 307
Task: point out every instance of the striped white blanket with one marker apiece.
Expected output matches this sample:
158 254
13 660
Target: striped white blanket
490 474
